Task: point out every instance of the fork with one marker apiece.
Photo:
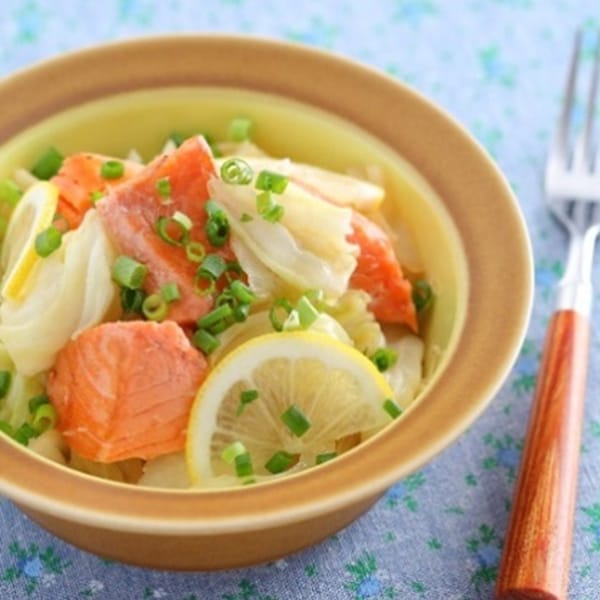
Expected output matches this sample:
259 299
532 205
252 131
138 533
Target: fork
537 551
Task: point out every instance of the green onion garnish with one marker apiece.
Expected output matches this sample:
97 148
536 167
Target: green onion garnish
154 308
95 196
5 380
24 434
296 420
241 312
48 164
281 461
10 192
316 297
391 408
214 316
36 401
246 397
276 316
269 181
211 286
183 220
236 172
422 295
218 327
307 313
195 251
129 273
170 292
242 292
112 169
132 300
239 129
326 456
47 241
205 341
163 224
177 138
216 226
243 465
44 418
230 453
384 358
163 187
246 217
6 428
267 208
212 266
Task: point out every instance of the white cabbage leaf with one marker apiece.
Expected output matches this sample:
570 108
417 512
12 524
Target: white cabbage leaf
305 249
68 292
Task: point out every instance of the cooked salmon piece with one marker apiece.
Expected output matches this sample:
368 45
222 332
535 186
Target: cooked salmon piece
131 210
80 177
124 390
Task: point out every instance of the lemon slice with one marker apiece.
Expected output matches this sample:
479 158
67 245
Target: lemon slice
337 394
34 213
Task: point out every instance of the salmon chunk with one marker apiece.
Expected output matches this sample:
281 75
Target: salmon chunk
124 390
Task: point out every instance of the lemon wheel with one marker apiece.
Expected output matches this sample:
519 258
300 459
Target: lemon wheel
281 403
34 213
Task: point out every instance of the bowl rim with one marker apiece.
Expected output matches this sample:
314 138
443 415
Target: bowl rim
36 483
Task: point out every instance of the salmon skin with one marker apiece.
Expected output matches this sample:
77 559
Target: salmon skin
80 177
124 390
131 210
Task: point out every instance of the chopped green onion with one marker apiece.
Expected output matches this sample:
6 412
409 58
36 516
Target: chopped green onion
5 381
325 457
163 187
230 453
307 313
242 292
239 129
267 208
422 295
24 434
48 164
391 408
48 241
164 223
241 312
246 217
212 266
275 313
183 220
205 341
128 272
281 461
218 327
384 358
155 308
177 138
246 397
292 323
316 297
195 251
36 401
44 418
236 171
95 196
214 316
212 208
243 465
217 228
210 288
112 169
6 428
296 421
10 192
269 181
132 300
170 292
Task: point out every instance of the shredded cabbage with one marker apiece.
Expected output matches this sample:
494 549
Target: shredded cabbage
306 249
69 291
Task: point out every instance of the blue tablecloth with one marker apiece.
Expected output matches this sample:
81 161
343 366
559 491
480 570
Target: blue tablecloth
498 66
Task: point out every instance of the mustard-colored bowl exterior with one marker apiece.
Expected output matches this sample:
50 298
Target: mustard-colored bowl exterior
228 528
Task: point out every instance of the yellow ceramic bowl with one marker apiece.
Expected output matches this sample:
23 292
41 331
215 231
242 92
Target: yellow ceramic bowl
316 108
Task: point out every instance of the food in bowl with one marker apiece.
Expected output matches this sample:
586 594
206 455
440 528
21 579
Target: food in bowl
211 318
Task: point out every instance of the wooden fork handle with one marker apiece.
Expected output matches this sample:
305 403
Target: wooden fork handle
537 551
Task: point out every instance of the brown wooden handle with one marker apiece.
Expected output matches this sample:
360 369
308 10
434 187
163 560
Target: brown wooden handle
537 551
